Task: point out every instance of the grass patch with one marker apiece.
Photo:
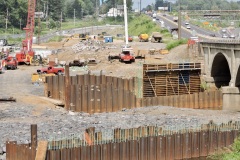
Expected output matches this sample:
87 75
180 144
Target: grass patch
142 24
56 39
174 43
230 153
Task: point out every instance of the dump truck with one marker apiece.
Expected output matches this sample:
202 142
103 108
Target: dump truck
143 37
156 37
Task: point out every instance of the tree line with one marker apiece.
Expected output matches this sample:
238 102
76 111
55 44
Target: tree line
14 12
195 5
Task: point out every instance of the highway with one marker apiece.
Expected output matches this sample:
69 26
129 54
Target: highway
185 33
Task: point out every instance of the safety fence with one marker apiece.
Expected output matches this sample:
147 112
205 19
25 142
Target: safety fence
143 143
97 94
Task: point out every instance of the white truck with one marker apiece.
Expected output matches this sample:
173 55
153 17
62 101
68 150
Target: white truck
175 19
154 15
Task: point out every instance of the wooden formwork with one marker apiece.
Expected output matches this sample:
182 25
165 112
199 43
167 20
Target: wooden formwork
171 79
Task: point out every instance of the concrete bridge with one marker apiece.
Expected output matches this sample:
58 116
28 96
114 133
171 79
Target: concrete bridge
222 68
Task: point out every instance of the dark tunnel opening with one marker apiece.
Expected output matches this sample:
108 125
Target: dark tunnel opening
220 71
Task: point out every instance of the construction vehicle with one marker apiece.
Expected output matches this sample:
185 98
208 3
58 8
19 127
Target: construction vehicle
27 53
156 37
126 55
51 69
130 38
92 61
143 37
78 63
38 60
175 19
10 63
81 36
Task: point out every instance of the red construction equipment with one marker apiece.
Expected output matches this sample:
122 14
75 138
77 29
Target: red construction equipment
26 54
126 55
10 63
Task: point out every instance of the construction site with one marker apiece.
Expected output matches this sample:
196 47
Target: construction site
92 97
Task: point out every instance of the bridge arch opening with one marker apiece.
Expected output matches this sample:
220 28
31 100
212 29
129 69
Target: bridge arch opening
237 83
220 71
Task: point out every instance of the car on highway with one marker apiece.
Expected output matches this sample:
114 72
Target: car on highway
188 27
224 36
186 23
232 36
224 30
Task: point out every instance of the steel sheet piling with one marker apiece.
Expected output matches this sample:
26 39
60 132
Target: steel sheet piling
84 95
143 148
115 151
106 151
103 97
73 97
204 143
187 146
161 147
67 88
170 147
229 138
95 152
55 87
195 144
221 141
212 141
133 147
152 146
178 146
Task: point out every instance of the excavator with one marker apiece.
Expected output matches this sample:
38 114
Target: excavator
26 54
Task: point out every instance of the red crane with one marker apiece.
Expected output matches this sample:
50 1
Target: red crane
26 54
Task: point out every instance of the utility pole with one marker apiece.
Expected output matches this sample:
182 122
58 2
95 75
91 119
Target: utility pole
140 6
74 17
7 19
125 21
39 24
20 26
179 20
61 24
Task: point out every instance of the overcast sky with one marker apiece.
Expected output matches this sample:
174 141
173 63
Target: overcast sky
144 3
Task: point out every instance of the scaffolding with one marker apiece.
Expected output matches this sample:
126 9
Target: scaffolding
171 79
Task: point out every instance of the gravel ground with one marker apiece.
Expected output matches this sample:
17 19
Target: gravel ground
32 108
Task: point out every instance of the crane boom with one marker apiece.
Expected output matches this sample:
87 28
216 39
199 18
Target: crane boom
26 54
27 43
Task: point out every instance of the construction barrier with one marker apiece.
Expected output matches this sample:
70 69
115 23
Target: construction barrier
143 143
96 94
